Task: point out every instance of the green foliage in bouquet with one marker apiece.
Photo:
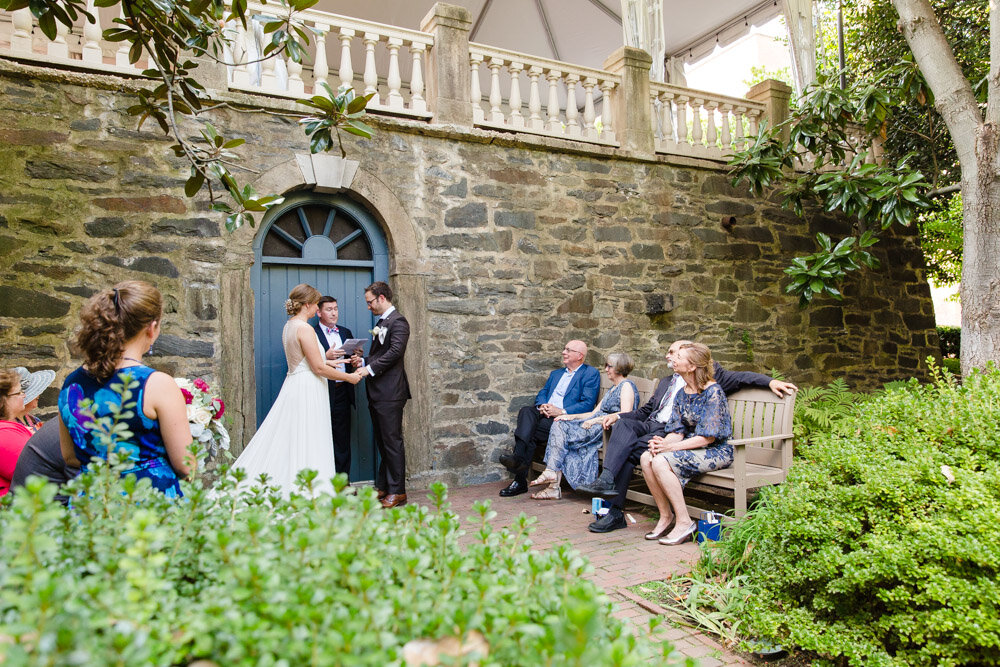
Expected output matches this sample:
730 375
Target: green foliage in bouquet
246 576
883 546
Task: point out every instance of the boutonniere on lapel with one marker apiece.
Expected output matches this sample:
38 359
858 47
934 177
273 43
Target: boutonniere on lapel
380 332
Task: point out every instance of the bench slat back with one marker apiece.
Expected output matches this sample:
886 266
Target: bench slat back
759 413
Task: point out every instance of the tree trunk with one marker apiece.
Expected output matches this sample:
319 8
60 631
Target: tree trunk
981 255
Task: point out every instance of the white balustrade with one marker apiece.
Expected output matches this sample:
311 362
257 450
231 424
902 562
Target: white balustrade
79 45
505 71
701 124
346 39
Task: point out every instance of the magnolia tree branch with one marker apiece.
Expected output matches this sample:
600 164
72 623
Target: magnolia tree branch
993 83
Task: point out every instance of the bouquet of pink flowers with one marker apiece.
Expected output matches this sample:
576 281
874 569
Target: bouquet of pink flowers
204 413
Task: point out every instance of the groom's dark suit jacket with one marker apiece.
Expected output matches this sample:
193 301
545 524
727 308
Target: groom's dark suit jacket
386 360
338 390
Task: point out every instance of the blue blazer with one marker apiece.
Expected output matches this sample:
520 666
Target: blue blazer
581 395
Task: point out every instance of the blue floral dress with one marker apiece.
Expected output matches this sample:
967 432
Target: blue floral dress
705 414
82 394
573 449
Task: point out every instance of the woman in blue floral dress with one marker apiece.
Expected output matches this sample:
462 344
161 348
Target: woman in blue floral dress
695 443
574 440
113 388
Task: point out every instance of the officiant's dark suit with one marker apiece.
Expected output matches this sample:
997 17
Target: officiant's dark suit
388 391
341 400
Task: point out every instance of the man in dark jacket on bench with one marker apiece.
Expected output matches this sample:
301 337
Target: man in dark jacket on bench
631 432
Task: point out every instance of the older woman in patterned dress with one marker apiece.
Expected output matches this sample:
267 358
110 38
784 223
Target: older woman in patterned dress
695 443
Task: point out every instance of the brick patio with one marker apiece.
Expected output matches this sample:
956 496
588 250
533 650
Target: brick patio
620 558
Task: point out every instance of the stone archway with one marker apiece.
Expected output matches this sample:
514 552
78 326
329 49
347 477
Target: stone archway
408 276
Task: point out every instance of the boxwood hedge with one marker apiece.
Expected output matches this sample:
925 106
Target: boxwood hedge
883 546
127 577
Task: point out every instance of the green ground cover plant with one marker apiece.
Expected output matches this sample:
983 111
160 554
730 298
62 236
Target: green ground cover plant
883 545
128 577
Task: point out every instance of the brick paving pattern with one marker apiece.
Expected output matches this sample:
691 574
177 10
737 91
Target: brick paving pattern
620 558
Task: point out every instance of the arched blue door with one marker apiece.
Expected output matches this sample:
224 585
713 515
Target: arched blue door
335 245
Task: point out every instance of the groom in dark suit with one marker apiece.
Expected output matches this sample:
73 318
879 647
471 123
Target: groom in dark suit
568 390
388 391
332 336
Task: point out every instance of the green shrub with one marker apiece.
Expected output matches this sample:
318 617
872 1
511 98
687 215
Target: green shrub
953 366
951 341
817 409
129 577
883 546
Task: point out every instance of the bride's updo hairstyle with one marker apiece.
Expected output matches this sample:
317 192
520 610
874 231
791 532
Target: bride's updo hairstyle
110 319
301 295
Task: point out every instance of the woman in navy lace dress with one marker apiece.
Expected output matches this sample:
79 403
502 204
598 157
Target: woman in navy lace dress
695 443
574 440
118 326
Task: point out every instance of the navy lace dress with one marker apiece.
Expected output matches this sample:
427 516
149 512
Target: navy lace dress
573 449
83 398
707 414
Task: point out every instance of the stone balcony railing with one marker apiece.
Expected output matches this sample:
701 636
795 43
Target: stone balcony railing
436 75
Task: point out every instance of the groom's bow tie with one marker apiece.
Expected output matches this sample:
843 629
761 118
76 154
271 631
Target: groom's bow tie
331 330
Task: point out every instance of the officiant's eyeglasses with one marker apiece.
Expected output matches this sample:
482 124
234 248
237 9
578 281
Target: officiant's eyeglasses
371 301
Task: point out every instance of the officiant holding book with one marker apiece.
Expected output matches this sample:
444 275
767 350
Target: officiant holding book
332 337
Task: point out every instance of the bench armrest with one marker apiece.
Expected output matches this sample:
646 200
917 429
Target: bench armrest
764 438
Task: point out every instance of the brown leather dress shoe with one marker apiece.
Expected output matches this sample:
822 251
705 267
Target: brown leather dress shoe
394 500
382 493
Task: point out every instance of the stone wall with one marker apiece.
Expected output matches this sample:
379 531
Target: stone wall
503 248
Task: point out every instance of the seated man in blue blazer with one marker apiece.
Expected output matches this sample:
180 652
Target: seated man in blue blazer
570 390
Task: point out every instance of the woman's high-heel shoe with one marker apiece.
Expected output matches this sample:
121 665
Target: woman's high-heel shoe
547 477
682 538
653 535
553 492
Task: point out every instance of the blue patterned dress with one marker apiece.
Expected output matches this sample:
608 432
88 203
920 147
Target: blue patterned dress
706 414
573 449
145 447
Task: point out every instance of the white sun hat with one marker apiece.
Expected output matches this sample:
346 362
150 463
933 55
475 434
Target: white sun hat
35 383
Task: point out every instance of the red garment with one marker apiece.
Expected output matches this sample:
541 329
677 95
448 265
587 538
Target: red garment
13 435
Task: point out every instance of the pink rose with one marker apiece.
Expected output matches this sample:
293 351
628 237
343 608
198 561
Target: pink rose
188 396
201 384
219 407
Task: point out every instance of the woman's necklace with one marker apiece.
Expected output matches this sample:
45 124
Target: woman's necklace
138 361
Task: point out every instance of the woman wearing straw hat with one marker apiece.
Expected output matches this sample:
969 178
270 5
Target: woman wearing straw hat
33 385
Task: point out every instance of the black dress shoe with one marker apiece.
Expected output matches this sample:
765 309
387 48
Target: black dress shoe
602 486
613 520
516 488
513 463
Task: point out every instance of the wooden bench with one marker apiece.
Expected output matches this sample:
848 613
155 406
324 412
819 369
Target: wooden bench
762 443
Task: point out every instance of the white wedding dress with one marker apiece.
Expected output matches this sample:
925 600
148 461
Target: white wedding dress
296 434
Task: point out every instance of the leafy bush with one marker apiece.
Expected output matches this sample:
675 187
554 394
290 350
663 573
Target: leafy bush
128 577
951 341
883 546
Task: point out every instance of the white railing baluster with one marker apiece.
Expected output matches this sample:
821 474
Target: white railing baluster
92 37
696 133
268 74
572 112
475 94
740 113
241 56
496 113
535 121
607 110
417 102
514 99
727 137
393 80
681 124
371 74
555 123
58 48
20 41
321 67
667 115
588 107
346 71
296 86
712 136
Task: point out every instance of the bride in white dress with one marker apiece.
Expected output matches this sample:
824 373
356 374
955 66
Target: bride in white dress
296 433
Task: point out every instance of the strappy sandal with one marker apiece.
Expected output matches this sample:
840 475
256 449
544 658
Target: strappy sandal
553 492
547 477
